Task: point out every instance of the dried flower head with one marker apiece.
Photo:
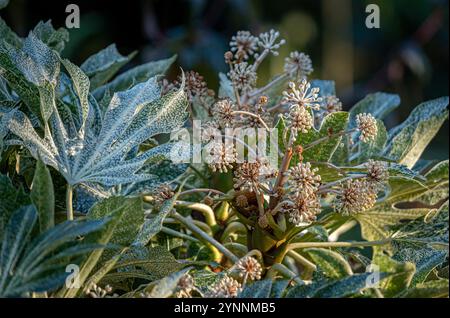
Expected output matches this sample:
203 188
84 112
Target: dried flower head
304 95
221 156
355 196
195 85
303 179
163 193
299 119
367 125
255 122
227 287
268 41
244 44
223 113
243 76
185 286
249 175
302 208
377 173
298 65
249 268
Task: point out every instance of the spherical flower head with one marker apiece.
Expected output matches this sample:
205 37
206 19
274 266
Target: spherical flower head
299 119
298 65
377 173
249 268
223 113
185 286
221 156
269 41
244 44
355 197
254 122
227 287
367 125
163 193
249 174
304 95
302 208
243 76
302 178
194 86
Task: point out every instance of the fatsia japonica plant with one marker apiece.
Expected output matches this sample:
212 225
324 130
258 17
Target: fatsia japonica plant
292 197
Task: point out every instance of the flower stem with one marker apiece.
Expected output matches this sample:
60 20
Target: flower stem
206 210
69 206
205 237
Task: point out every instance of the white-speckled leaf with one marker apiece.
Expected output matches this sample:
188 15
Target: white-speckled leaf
408 140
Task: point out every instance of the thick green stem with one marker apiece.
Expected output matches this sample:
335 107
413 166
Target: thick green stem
69 206
205 237
204 209
233 227
294 246
308 267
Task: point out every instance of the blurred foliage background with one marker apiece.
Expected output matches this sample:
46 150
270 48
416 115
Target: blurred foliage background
408 55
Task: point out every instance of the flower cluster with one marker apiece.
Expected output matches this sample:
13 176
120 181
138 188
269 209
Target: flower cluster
227 287
355 196
249 268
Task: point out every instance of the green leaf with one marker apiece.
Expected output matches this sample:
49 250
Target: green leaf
43 197
135 75
102 66
153 225
375 223
14 241
430 289
332 124
8 35
327 88
167 286
346 287
378 104
10 200
38 264
408 140
425 259
55 39
258 289
130 221
332 264
400 274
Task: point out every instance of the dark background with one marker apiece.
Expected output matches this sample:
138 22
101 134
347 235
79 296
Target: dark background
408 55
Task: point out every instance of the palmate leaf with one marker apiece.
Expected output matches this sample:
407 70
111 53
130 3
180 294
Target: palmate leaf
132 117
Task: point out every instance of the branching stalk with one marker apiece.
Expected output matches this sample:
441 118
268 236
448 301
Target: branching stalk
205 237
